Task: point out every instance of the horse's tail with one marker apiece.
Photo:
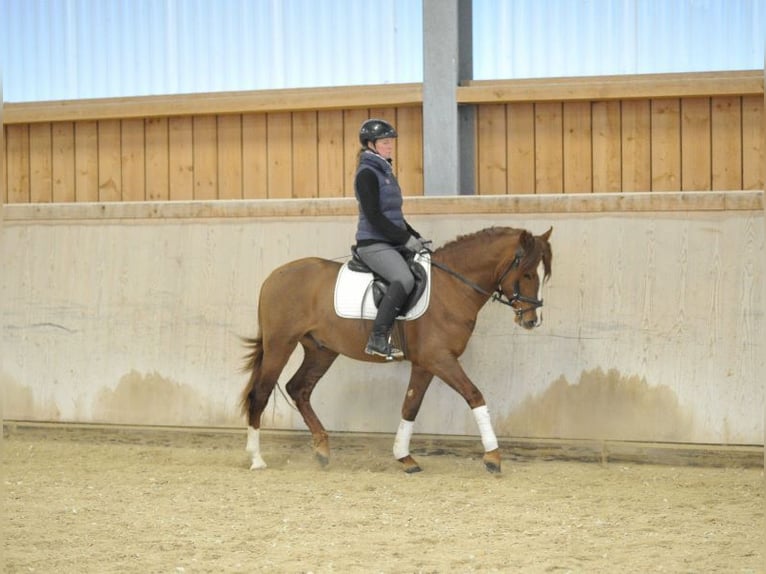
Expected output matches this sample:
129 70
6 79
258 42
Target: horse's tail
253 362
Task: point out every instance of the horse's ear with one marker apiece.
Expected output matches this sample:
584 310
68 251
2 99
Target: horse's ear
527 241
547 234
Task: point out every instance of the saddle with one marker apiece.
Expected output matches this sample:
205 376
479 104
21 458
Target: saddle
358 290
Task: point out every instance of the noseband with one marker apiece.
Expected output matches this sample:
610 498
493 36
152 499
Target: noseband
515 296
498 294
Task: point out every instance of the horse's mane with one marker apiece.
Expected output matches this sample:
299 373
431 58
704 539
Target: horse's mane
482 234
535 251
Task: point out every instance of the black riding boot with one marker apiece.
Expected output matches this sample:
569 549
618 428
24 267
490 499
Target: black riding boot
379 342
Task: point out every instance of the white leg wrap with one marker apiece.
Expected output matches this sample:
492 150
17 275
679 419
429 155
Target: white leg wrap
402 440
488 438
254 448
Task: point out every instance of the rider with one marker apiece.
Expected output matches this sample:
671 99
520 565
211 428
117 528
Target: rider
382 232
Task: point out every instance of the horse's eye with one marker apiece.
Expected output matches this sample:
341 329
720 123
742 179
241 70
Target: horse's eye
528 276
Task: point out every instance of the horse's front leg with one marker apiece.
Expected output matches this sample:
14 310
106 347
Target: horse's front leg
449 370
419 381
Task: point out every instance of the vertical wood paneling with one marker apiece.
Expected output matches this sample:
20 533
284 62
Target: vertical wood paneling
229 157
181 158
255 171
636 146
695 149
40 163
109 161
86 161
205 139
607 147
352 121
492 158
63 162
388 114
549 148
17 164
409 152
727 142
133 155
753 176
666 144
157 159
578 155
330 169
521 147
305 158
280 157
692 144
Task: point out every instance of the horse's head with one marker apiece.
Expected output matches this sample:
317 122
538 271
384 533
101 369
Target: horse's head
523 278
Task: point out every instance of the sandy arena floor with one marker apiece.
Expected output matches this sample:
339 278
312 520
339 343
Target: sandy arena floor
105 500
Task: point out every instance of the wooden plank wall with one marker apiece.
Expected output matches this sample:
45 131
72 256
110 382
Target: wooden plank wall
658 144
229 156
680 132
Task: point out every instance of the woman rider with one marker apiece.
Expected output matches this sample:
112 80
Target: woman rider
382 232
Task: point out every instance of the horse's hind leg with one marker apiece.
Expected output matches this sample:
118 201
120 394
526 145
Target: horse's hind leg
316 361
267 364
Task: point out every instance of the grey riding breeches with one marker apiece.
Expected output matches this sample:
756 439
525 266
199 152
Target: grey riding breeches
388 262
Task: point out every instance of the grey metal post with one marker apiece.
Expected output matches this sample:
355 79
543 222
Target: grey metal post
448 129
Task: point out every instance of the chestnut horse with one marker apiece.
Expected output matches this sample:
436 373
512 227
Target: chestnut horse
296 306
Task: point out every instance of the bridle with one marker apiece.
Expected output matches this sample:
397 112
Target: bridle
498 294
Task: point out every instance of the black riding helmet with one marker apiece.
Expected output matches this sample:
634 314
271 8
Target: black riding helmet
373 130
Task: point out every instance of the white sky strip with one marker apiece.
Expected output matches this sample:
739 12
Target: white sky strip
69 49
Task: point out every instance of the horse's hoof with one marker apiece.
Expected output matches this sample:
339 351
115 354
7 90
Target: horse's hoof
256 462
409 464
492 461
322 449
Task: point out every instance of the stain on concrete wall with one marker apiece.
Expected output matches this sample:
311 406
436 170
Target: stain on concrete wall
601 405
152 399
20 403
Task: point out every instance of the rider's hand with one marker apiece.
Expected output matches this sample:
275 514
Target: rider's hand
416 245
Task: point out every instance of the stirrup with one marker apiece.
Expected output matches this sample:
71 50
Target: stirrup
393 353
389 352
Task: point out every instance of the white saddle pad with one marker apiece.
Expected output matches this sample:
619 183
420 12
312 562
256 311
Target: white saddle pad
353 293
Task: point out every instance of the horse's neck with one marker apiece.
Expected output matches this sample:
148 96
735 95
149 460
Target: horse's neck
479 260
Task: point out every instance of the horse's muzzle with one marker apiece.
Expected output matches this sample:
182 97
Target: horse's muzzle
530 324
528 318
